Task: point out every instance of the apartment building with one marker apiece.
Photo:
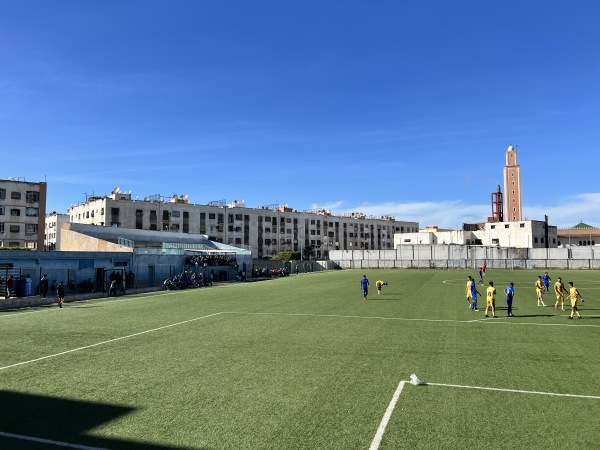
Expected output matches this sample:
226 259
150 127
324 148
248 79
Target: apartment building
22 213
52 233
265 230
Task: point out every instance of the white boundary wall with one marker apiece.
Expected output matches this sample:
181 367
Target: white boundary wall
467 257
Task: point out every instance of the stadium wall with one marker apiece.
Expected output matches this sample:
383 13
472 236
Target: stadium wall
467 257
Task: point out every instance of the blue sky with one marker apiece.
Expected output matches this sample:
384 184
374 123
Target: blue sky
384 107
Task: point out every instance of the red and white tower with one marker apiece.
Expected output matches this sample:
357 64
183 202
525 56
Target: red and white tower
512 187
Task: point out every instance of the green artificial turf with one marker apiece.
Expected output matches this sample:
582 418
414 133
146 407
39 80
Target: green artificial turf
304 363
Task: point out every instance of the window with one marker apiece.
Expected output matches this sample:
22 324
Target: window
140 213
267 219
211 216
535 240
522 225
493 227
32 196
495 241
153 215
31 228
15 212
506 226
1 210
2 194
267 230
114 211
176 214
238 217
1 227
31 212
15 195
15 228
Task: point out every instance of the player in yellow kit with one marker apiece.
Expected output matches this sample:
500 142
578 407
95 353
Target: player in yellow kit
379 284
560 291
574 295
539 289
468 290
490 299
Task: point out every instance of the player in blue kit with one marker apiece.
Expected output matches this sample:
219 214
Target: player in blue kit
546 280
510 294
474 293
364 285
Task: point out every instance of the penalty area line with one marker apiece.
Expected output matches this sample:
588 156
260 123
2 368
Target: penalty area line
47 441
515 391
386 417
85 347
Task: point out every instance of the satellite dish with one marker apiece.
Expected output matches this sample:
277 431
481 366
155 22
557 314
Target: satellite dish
116 190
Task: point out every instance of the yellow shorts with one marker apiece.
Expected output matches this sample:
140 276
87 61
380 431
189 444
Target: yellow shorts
573 303
491 303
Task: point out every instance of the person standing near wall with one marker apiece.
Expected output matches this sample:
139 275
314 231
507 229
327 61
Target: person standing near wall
9 286
28 281
60 293
44 286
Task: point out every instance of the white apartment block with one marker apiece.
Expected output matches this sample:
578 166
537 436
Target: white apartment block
54 221
522 234
264 230
22 213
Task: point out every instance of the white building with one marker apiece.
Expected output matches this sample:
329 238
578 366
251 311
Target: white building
53 224
522 234
22 213
264 230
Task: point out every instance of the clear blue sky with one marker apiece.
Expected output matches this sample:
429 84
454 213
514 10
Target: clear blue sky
401 108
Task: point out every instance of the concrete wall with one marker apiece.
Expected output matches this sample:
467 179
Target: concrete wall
460 256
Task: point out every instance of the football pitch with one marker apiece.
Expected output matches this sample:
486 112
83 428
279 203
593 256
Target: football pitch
303 362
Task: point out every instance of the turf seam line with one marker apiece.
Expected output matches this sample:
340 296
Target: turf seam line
85 347
386 417
515 391
48 441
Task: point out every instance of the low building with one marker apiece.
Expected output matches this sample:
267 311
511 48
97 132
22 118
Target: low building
522 234
581 234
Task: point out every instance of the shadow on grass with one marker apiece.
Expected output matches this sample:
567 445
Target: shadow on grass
60 420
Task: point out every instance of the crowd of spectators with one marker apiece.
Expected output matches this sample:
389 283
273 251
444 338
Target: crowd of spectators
270 273
211 260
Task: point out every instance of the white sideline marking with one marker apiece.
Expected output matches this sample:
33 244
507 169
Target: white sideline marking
108 341
47 441
386 417
516 391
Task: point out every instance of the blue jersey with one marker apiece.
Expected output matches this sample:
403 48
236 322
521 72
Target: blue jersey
510 292
364 283
473 291
546 280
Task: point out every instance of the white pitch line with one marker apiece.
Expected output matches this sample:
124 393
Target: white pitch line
516 391
108 341
386 417
48 441
481 320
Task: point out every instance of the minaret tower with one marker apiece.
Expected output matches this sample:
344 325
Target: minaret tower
512 187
